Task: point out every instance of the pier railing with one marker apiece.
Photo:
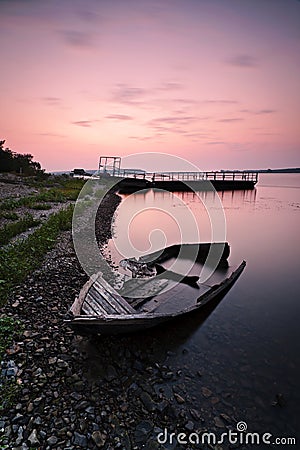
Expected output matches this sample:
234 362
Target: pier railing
233 175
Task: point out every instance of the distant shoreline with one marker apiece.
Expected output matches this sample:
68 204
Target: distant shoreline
292 170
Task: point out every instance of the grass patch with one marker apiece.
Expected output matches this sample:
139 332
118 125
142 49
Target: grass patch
9 215
11 230
41 206
19 260
9 329
65 189
9 390
60 190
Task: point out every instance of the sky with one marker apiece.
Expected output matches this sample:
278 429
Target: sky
216 82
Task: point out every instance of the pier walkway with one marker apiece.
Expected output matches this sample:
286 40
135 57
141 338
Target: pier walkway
183 181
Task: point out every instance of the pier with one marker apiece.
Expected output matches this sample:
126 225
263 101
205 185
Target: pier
136 179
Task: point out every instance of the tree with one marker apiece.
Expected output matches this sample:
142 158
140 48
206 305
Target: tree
16 162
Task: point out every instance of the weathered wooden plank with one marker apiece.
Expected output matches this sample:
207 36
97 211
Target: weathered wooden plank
118 307
97 308
113 292
112 296
87 309
112 303
140 287
99 299
77 305
109 299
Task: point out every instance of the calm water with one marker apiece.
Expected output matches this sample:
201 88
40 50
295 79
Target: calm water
248 347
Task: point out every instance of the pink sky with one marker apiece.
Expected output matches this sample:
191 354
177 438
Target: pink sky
214 81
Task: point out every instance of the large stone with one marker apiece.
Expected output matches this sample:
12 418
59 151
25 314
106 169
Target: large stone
219 422
206 392
111 373
98 438
142 431
80 439
33 438
147 401
178 398
52 440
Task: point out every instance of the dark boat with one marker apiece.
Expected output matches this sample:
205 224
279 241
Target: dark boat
148 302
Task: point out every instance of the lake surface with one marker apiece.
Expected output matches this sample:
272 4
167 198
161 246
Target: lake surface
248 347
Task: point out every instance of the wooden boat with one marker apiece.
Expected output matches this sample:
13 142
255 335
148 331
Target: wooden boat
148 302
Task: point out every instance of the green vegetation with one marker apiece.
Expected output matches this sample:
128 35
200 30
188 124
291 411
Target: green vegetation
67 189
12 203
9 329
11 230
9 215
9 390
19 260
41 206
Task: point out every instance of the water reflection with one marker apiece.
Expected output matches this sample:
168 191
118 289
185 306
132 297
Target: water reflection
249 346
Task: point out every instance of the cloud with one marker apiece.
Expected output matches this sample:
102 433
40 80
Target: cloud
197 134
128 94
51 135
183 120
265 111
141 138
89 16
140 96
243 60
170 87
268 134
51 101
176 124
171 124
259 111
77 39
234 119
118 117
220 102
84 123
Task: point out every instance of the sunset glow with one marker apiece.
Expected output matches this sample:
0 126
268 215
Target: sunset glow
213 81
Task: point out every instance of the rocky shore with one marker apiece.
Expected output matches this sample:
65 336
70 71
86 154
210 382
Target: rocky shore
73 391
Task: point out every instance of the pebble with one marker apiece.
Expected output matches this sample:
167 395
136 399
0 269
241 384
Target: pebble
179 399
80 439
52 440
98 438
219 422
33 438
111 373
206 392
142 431
189 425
147 401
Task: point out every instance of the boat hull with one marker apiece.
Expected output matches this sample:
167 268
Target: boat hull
128 323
